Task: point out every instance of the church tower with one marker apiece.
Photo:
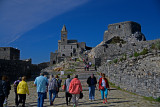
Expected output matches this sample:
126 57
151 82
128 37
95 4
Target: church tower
64 35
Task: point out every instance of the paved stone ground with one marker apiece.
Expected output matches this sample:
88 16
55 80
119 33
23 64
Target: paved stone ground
116 98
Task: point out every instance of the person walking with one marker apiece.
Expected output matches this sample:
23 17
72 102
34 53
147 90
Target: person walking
87 66
15 90
41 82
52 88
75 88
92 81
100 76
67 94
59 84
22 90
90 63
45 97
8 87
104 87
3 92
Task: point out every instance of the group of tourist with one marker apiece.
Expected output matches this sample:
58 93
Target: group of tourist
87 64
73 88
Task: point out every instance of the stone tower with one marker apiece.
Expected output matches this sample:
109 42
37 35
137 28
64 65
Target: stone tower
129 31
64 35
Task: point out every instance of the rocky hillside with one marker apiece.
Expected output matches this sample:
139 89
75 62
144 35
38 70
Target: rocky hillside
132 66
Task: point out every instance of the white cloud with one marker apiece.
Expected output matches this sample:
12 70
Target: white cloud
20 16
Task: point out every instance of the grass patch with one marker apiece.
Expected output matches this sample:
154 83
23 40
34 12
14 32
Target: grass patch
93 65
117 39
115 61
145 51
156 46
72 70
98 73
77 59
146 98
136 54
152 99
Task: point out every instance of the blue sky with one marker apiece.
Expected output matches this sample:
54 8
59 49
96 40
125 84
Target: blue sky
34 26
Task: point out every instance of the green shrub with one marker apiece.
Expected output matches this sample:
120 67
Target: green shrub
145 51
130 56
110 62
121 59
77 59
72 70
158 99
118 87
156 46
117 39
153 46
112 84
115 60
93 65
136 54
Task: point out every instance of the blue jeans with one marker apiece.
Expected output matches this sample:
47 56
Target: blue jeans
91 92
104 91
40 99
50 95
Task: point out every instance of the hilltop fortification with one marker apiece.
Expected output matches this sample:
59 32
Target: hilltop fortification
129 61
128 31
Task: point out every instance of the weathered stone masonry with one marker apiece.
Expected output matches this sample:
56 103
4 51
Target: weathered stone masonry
13 67
140 74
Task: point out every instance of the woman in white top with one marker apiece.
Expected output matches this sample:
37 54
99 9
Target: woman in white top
104 86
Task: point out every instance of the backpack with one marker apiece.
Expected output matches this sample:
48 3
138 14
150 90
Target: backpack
52 84
15 85
59 81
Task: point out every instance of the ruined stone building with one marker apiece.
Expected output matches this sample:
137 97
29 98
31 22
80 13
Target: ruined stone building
9 53
12 66
120 38
67 48
129 31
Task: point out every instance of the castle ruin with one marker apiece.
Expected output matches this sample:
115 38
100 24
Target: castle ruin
128 31
9 53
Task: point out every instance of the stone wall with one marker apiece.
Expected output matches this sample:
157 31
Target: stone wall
139 75
9 53
128 31
16 68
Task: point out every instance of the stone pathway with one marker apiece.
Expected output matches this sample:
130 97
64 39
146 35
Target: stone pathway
116 98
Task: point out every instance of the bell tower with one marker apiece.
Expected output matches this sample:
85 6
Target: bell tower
64 35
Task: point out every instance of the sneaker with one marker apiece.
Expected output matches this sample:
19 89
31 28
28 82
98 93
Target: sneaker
90 99
106 101
51 103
